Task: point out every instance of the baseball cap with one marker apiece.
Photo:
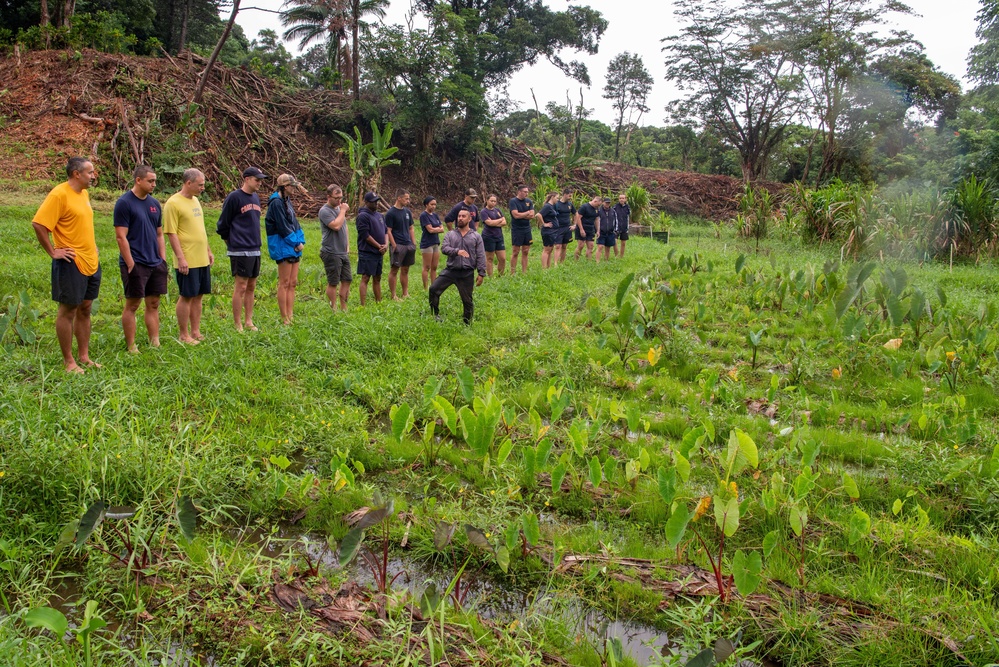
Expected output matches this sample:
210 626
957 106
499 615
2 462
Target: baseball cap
371 197
607 200
287 180
470 192
254 172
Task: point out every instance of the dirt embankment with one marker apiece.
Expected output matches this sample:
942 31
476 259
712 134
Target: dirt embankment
122 110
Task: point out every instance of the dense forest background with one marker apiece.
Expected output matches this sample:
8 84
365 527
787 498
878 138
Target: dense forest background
808 91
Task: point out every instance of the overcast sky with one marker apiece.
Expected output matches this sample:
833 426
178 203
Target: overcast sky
945 27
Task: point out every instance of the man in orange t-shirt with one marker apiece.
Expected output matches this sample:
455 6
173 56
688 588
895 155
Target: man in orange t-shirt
66 214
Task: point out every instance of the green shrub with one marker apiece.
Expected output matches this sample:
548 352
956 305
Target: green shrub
638 200
970 227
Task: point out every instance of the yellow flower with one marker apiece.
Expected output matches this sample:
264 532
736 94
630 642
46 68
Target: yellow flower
836 373
734 374
492 492
951 356
2 473
513 626
461 490
955 447
547 504
118 456
733 489
702 507
488 535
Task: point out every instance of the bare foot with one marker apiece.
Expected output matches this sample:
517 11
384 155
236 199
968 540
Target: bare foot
154 342
73 368
249 325
189 341
239 328
287 323
198 335
395 298
134 349
405 296
90 363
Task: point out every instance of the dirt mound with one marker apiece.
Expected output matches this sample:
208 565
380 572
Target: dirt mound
123 110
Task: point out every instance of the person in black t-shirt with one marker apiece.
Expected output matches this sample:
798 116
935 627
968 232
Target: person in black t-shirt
566 216
522 215
587 226
399 226
549 229
430 243
493 223
466 204
623 212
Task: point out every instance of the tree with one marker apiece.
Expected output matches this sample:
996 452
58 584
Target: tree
743 83
983 60
628 85
834 42
325 21
358 10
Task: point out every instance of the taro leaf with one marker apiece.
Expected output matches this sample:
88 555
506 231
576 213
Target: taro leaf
530 462
667 484
769 501
626 315
504 452
350 545
119 513
895 312
430 600
478 539
705 658
724 647
615 649
558 474
466 382
431 388
595 472
89 522
770 543
682 467
610 467
447 413
26 335
860 525
917 305
532 530
740 262
443 534
809 448
280 461
846 299
798 517
49 619
512 535
747 570
374 516
402 421
545 448
727 515
850 486
91 621
677 525
747 448
593 306
67 536
622 289
503 559
942 296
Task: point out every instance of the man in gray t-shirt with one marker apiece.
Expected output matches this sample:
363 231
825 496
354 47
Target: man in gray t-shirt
335 247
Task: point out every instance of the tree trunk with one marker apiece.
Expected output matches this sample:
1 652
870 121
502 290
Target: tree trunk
45 13
183 26
68 8
215 54
355 20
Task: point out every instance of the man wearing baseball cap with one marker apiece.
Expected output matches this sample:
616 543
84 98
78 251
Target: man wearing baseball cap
467 204
239 227
371 246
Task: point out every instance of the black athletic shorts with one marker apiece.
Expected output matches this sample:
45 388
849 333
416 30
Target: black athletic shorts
290 260
143 281
564 236
492 244
402 255
197 282
607 240
369 265
590 233
245 266
521 237
623 235
550 236
70 287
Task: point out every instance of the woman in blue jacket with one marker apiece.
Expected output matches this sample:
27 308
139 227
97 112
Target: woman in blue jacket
285 241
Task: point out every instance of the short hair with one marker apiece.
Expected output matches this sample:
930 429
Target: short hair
333 189
401 192
428 199
568 191
521 186
75 164
465 211
491 196
141 171
191 175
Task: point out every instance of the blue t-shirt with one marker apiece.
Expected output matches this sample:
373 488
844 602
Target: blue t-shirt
549 216
521 206
565 211
588 216
452 215
487 231
369 223
400 221
142 217
430 239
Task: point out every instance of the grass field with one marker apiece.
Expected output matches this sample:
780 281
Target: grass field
823 436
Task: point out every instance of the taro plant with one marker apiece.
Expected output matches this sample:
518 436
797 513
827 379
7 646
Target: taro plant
754 338
620 330
56 622
741 454
353 543
19 318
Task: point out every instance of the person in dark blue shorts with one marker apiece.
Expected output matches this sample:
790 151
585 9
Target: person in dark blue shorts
402 250
623 213
550 234
522 215
430 240
586 226
566 212
372 244
493 222
607 226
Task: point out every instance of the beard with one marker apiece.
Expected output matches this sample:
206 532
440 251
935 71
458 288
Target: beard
462 224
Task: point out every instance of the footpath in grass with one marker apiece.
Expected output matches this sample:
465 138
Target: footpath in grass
766 457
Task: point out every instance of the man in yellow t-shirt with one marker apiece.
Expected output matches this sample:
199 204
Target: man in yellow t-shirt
184 226
76 272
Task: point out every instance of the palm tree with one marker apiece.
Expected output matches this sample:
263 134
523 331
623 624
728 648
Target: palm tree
321 20
358 10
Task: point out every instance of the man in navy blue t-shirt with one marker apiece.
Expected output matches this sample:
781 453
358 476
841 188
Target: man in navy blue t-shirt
402 255
239 227
466 204
587 226
566 212
138 230
522 214
372 244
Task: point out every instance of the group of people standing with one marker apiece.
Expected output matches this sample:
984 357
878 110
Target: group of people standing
64 226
